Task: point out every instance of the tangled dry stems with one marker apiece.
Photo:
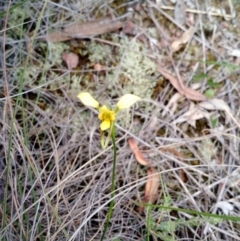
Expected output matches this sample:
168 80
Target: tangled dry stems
57 176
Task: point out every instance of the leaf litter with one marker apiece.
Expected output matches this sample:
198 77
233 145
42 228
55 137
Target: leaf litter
189 93
81 179
153 179
178 43
84 30
180 12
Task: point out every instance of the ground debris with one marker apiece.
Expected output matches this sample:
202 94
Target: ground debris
85 30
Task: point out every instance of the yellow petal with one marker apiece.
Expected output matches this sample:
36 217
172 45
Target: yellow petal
106 114
105 125
88 100
127 100
102 111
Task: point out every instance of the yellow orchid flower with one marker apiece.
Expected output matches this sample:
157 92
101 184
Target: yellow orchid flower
88 100
107 116
126 101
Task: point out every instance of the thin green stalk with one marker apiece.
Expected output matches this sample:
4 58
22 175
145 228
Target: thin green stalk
149 209
193 212
110 210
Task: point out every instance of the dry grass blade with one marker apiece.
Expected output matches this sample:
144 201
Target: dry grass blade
172 104
189 93
54 177
85 30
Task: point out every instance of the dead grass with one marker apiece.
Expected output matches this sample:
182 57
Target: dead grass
55 179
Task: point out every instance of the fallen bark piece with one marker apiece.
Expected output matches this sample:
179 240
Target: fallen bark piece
84 30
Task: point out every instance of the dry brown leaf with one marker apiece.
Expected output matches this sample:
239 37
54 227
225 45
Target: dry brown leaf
215 104
172 104
193 94
151 188
174 81
218 104
194 113
183 90
71 59
137 153
181 172
85 30
178 43
152 184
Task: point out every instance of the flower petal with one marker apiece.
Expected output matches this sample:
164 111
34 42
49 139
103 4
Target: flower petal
105 125
106 114
126 101
88 100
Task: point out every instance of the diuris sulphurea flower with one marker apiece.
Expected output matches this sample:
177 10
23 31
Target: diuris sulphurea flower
107 118
105 115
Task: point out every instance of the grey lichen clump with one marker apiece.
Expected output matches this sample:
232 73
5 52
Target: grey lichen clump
136 68
98 52
41 71
132 68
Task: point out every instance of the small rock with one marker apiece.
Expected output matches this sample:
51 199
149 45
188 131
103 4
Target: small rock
71 59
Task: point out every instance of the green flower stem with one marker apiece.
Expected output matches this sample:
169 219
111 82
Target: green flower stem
105 142
110 210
